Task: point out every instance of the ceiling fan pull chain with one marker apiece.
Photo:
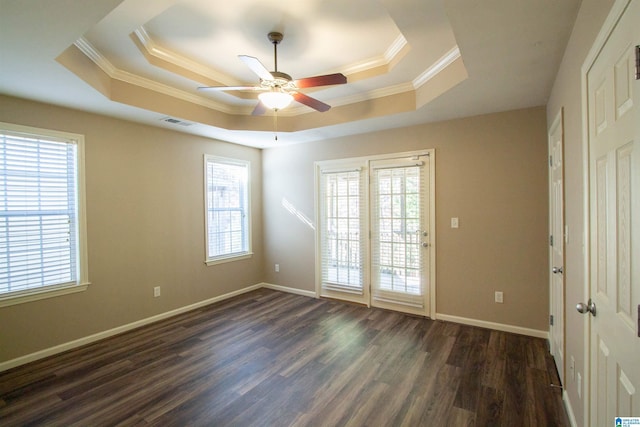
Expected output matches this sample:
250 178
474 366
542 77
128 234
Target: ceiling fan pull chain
275 124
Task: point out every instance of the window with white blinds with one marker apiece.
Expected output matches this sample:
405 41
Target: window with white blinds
342 246
42 244
227 209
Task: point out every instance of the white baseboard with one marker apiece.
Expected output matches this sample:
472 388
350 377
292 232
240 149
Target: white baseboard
124 328
569 408
118 330
302 292
492 325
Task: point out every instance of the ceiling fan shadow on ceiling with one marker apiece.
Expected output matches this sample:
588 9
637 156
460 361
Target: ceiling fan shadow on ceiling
278 89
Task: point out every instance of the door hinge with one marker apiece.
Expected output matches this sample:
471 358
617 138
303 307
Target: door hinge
550 161
638 62
551 240
551 319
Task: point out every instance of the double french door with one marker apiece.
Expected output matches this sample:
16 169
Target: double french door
375 221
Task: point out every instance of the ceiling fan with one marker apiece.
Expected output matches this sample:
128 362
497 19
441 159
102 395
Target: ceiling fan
278 89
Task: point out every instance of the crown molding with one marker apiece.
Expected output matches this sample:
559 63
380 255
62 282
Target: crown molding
373 94
383 60
442 63
94 55
396 47
115 73
101 61
155 50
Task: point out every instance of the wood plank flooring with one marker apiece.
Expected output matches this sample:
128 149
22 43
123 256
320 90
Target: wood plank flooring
268 358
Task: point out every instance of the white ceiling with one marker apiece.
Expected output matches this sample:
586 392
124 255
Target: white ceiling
510 51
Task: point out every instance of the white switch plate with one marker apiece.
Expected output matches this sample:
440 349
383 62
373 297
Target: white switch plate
156 291
277 268
499 297
454 222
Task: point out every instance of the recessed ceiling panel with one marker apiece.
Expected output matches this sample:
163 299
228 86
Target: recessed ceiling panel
320 36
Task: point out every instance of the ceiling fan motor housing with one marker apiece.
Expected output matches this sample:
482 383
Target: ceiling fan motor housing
275 37
280 81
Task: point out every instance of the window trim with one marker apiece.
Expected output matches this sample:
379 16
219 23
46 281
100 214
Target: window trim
35 294
221 259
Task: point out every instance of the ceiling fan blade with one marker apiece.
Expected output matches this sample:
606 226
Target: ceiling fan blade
326 80
311 102
223 88
259 110
256 66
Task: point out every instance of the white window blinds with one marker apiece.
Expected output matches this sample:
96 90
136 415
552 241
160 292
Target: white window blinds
398 192
342 216
39 218
227 208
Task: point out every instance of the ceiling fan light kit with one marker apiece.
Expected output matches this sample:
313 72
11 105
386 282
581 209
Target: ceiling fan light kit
276 100
278 89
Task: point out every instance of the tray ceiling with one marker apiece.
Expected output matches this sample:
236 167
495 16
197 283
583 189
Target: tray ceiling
407 62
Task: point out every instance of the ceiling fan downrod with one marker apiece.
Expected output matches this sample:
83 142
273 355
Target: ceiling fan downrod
275 38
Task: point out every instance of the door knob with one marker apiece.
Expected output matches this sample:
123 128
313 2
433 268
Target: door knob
589 307
425 244
557 270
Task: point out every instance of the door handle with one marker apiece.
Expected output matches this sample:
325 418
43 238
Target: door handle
557 270
589 307
425 244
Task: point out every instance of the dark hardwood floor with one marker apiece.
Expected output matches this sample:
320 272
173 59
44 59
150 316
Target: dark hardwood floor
268 358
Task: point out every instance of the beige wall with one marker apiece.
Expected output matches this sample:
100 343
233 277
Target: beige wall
145 218
491 172
567 93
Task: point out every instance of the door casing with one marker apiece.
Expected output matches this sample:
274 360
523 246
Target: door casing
557 242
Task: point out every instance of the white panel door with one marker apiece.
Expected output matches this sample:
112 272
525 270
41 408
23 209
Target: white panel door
557 240
400 235
614 175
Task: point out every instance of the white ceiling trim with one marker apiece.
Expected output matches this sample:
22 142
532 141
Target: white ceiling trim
154 49
164 54
105 65
93 54
380 61
437 67
373 94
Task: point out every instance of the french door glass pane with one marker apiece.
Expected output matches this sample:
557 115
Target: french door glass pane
397 257
341 235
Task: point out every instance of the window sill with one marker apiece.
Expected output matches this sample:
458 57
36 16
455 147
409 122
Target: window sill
216 261
38 294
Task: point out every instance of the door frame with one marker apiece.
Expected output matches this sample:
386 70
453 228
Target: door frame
558 123
365 162
616 12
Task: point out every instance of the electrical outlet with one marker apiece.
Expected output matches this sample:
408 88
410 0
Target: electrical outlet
277 268
499 297
156 291
454 223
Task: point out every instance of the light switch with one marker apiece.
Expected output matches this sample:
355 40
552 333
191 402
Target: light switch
454 222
